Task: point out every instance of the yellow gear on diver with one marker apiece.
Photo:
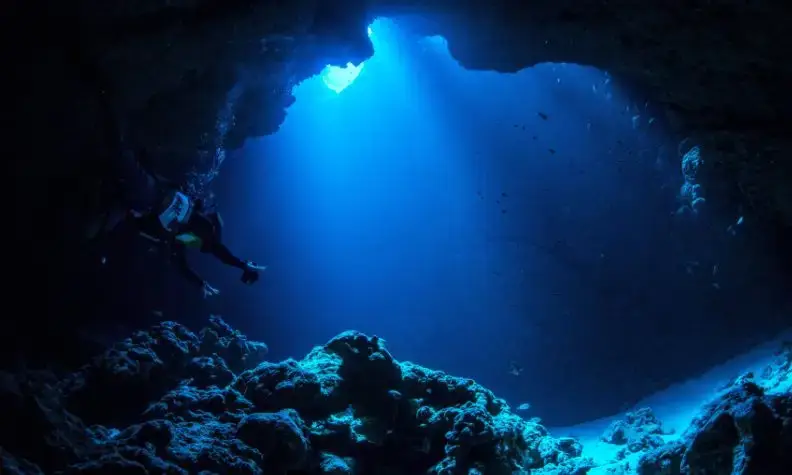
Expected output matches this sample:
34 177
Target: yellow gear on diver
189 240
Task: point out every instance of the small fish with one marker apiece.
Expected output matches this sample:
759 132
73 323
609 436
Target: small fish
524 406
691 266
157 312
716 286
504 194
594 88
732 229
636 121
542 115
715 269
104 260
552 151
515 369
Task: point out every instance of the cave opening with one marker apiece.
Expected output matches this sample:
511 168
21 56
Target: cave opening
540 233
474 218
338 78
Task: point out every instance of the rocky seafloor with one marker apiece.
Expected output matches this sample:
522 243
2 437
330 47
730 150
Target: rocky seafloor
170 401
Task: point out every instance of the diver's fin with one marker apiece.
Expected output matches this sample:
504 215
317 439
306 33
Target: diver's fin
104 224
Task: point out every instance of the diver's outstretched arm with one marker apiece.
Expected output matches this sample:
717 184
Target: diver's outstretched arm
224 255
250 270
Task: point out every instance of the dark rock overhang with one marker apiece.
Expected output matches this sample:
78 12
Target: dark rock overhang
156 74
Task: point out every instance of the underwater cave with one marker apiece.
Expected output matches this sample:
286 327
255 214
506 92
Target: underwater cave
566 212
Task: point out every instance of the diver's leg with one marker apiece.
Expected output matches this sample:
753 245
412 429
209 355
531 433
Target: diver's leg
140 188
106 222
114 218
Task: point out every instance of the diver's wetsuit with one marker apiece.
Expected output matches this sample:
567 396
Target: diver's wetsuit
202 231
162 213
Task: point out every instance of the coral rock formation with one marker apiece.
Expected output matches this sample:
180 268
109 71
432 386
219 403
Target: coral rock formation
169 401
745 429
166 401
640 430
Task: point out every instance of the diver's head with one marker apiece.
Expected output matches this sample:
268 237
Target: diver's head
206 204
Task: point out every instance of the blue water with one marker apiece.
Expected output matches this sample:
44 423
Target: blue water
472 219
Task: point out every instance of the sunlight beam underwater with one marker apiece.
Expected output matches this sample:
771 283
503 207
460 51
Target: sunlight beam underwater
338 78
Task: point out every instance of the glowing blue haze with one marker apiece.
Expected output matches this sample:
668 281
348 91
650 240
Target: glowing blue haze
386 205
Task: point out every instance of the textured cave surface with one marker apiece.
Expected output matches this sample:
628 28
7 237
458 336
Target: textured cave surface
166 400
158 73
165 67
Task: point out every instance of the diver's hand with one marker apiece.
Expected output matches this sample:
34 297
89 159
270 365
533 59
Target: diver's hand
250 274
255 267
208 290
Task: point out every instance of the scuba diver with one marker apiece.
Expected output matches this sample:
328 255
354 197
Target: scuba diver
160 211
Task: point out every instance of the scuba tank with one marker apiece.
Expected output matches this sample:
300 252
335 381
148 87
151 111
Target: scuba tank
177 209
